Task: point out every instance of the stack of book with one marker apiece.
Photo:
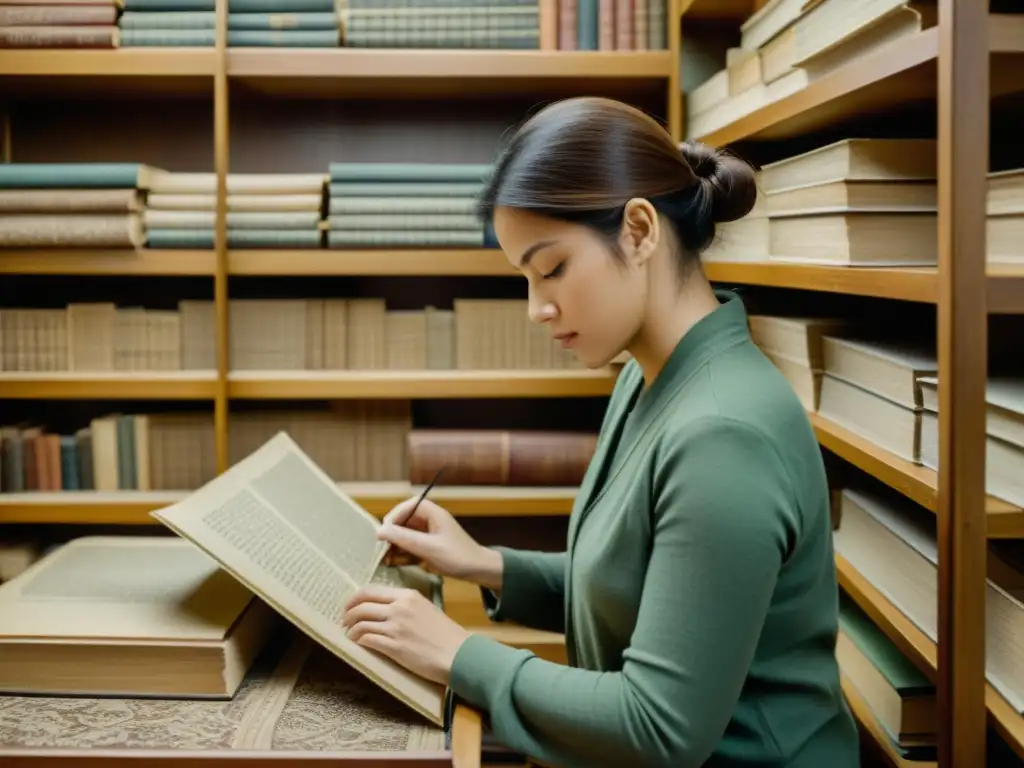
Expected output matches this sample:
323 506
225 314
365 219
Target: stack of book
407 204
65 205
272 210
492 24
1005 216
53 24
788 44
855 202
168 23
283 23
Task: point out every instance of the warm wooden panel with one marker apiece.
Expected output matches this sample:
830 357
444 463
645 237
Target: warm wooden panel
109 262
454 262
910 284
108 385
917 483
467 734
390 73
336 385
133 507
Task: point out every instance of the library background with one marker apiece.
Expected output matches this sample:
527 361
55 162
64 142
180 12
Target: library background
224 219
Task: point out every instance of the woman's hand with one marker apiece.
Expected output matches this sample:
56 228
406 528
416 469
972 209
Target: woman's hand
435 538
406 627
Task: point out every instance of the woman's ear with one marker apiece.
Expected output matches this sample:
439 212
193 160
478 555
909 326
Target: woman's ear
640 230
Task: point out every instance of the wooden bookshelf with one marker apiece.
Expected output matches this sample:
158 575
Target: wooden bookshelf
891 77
108 262
108 385
920 484
133 507
411 73
409 261
297 385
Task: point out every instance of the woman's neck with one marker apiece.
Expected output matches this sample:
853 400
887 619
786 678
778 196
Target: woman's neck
671 314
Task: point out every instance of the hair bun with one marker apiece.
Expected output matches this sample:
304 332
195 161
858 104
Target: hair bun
727 182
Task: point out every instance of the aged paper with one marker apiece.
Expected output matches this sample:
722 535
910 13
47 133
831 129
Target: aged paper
285 530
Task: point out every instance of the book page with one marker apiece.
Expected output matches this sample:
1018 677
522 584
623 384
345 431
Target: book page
283 528
148 588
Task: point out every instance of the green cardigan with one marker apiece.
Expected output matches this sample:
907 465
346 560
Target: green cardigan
698 592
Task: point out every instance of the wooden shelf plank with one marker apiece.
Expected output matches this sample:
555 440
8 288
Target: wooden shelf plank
449 262
919 284
388 73
107 262
136 71
717 10
869 723
101 385
891 77
919 648
334 385
133 507
917 483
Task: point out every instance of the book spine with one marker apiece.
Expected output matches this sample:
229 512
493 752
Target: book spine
95 231
161 38
464 206
57 15
405 172
401 221
568 25
586 25
284 38
503 39
59 37
281 6
69 201
301 21
165 20
69 175
157 219
237 238
405 189
408 238
169 5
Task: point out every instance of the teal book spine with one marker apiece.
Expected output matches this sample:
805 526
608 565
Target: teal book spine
68 464
301 21
281 6
413 238
164 38
237 238
169 5
284 38
433 189
67 175
586 25
474 172
165 20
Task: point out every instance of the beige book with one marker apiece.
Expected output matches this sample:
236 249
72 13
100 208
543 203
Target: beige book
888 367
1003 238
239 183
128 616
282 526
236 202
768 21
1005 194
886 423
857 239
744 69
746 239
1004 405
854 160
711 92
855 196
796 338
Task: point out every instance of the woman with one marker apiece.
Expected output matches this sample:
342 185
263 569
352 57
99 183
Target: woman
697 591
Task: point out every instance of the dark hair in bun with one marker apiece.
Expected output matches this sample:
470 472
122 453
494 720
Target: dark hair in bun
583 159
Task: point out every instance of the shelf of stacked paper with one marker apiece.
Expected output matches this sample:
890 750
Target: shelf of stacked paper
492 24
264 210
56 24
251 23
788 45
417 205
1005 217
72 205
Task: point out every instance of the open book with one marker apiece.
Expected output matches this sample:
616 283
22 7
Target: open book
283 528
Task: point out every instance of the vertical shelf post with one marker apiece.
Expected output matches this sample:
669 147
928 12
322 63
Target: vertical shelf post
675 93
220 280
963 133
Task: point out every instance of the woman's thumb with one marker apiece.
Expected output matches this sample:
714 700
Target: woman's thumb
412 541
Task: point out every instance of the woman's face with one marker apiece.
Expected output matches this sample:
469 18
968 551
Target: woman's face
590 301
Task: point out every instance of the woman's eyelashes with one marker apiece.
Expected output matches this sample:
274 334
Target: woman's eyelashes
556 272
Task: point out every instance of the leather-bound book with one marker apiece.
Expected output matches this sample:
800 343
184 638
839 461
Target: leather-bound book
500 457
